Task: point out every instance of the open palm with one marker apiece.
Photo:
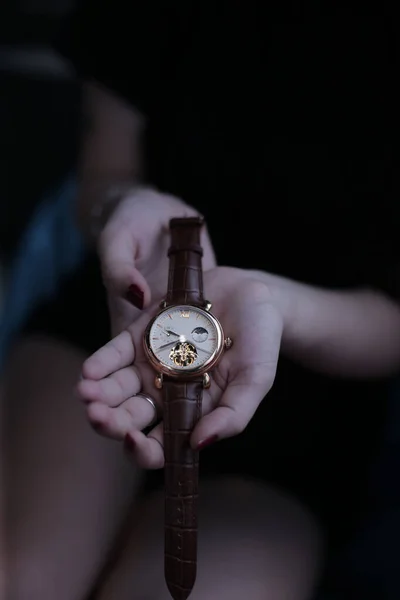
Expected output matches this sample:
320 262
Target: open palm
117 372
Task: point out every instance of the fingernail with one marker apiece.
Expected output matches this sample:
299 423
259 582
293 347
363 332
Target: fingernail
135 296
207 442
129 443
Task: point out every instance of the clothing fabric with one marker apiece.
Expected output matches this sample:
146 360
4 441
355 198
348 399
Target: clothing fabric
50 249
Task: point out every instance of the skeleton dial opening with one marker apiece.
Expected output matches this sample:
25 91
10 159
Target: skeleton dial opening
183 338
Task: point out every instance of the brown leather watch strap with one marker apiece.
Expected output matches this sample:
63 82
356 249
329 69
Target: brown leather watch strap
182 410
185 281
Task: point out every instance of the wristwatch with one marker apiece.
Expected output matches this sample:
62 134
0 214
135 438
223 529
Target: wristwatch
183 343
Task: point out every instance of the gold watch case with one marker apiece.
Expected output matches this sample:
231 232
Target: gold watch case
188 373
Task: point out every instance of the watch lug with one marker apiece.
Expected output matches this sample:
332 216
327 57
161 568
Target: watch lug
206 381
207 306
158 382
163 304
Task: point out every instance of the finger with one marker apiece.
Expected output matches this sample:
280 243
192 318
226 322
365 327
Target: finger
134 414
118 250
115 355
146 451
237 406
112 390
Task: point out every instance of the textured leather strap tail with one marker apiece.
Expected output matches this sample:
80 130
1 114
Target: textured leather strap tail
182 410
185 281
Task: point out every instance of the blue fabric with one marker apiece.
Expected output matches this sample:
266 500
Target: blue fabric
50 248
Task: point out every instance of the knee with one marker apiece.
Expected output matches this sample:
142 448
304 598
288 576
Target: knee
255 542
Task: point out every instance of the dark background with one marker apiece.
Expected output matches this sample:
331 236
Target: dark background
39 100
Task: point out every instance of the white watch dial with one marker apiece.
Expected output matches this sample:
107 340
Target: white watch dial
184 338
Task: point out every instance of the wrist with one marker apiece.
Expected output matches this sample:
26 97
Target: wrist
97 202
285 300
333 331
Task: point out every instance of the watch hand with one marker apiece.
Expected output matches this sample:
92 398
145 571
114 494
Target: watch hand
166 345
169 331
182 339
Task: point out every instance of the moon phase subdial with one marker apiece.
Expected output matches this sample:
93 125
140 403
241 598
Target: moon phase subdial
199 335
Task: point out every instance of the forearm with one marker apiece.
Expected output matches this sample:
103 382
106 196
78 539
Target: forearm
343 333
110 152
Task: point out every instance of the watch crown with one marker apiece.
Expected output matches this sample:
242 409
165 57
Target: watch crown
163 304
228 343
206 381
158 382
207 305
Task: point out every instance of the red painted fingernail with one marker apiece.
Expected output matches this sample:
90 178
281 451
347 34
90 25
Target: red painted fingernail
135 296
207 442
129 443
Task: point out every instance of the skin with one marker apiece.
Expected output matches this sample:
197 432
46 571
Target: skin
120 369
116 372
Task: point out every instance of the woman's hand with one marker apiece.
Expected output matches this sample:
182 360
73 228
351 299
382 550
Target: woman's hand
133 252
119 370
